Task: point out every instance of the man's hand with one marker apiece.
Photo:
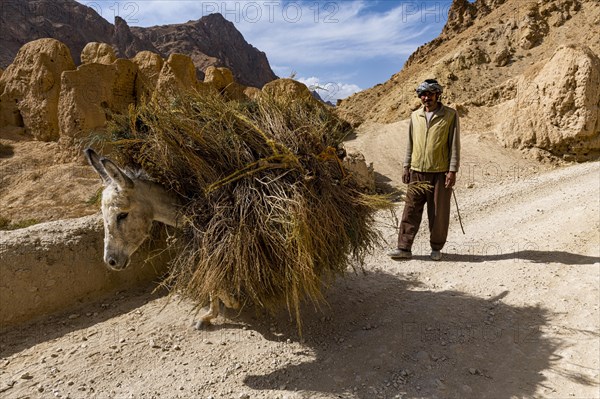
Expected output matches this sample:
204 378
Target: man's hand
450 179
406 175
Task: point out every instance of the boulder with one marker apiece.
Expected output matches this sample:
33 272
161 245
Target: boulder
502 57
558 108
235 91
30 88
288 89
177 75
149 67
467 57
100 53
355 163
533 27
222 80
219 78
90 94
252 93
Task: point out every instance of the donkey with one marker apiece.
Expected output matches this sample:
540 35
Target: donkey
129 206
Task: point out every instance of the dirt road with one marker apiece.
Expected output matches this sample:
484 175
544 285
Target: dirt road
512 311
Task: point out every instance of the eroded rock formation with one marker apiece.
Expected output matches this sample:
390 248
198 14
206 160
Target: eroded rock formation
558 109
91 93
44 95
30 87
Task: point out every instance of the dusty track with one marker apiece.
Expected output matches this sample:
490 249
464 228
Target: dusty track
512 311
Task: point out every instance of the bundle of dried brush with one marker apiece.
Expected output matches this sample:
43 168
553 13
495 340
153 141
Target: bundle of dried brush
270 213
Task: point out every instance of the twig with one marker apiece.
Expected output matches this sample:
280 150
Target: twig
458 211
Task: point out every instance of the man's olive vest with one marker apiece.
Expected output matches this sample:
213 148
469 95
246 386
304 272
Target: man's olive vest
431 147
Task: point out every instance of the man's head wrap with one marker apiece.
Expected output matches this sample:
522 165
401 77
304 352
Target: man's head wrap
430 85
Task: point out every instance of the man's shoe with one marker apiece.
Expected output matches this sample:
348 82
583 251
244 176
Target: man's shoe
400 254
436 255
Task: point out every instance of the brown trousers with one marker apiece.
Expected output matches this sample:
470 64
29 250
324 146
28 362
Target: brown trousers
438 211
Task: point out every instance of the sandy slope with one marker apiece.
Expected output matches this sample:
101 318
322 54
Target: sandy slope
42 182
511 312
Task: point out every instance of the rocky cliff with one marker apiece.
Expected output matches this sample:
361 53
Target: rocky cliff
523 71
67 21
210 41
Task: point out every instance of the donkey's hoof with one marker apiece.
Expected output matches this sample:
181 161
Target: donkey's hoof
202 324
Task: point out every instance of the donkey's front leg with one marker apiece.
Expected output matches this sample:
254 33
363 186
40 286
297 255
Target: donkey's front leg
213 311
216 299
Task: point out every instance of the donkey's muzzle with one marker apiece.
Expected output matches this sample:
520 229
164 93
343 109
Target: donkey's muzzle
116 264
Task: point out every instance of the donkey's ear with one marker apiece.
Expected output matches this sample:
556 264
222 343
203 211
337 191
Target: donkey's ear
116 175
94 160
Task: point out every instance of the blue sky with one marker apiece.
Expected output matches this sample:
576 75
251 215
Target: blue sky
342 46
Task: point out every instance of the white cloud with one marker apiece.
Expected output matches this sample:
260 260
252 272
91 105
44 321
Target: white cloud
306 31
330 91
346 31
308 36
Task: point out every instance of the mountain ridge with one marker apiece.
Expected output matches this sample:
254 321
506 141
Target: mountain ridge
75 24
478 42
489 57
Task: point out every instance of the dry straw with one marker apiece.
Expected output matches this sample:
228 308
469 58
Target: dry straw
271 215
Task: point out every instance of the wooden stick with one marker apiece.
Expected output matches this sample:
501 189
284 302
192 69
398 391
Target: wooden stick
458 211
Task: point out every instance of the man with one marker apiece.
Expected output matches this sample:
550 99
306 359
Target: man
432 156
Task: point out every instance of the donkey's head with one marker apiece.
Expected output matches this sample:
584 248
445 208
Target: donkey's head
127 213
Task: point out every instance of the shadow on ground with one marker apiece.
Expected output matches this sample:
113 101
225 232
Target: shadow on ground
566 258
380 336
6 151
384 185
384 335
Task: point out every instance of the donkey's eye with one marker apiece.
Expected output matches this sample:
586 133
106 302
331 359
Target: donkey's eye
122 216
